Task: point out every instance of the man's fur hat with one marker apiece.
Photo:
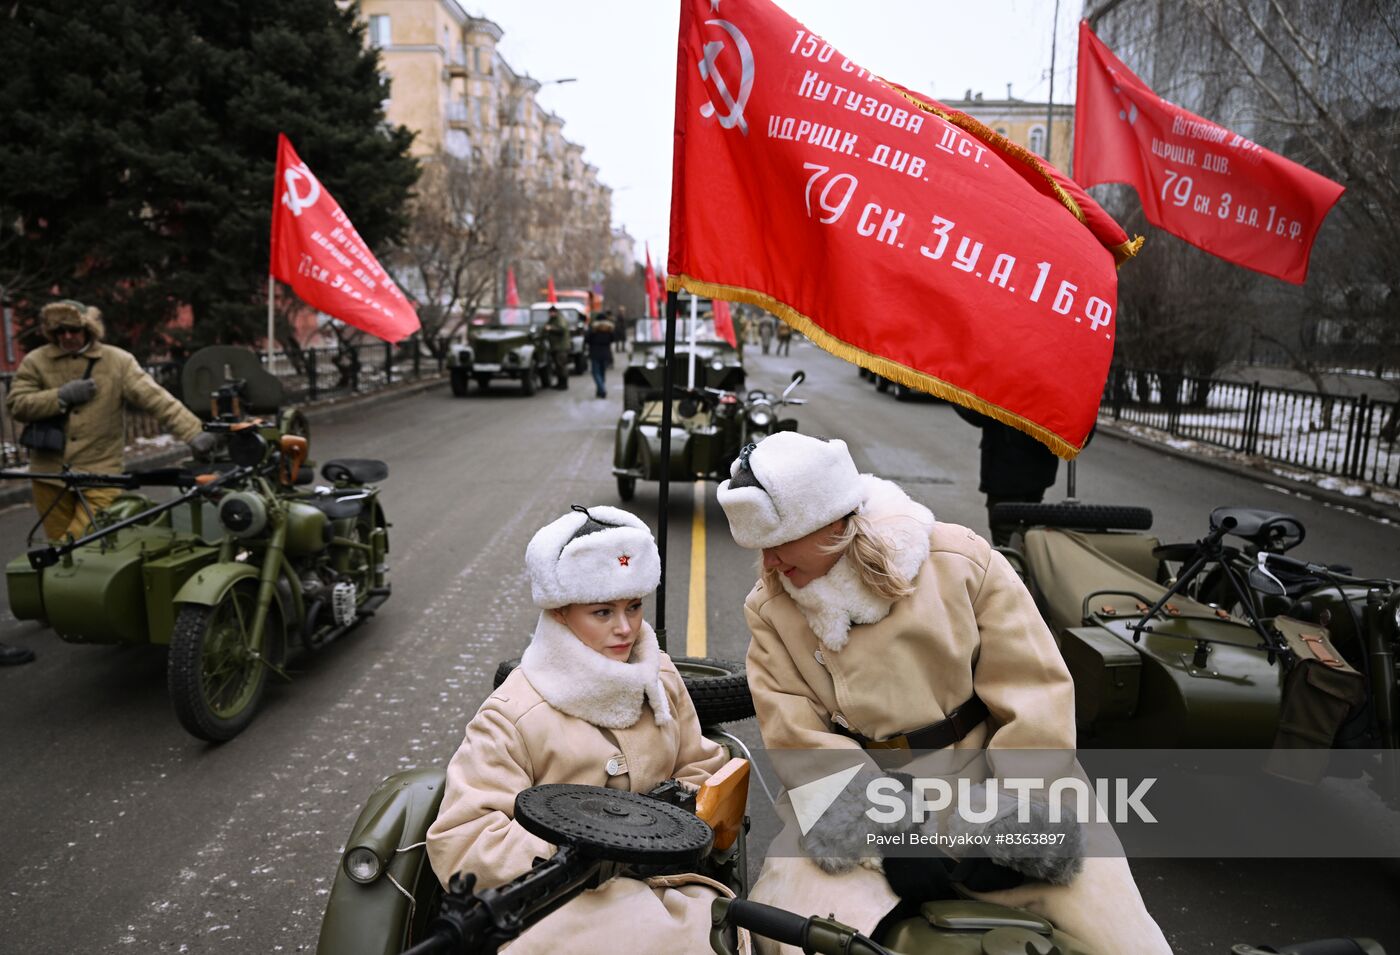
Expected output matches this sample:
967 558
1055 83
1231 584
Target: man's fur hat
71 313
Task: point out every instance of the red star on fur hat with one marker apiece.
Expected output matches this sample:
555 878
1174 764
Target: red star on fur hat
623 559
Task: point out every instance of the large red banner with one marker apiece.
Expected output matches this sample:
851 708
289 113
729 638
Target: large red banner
316 250
893 232
1196 179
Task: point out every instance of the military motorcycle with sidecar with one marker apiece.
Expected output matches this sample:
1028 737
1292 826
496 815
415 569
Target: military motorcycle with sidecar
1226 642
711 426
246 565
386 898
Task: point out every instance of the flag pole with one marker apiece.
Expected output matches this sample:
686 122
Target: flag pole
270 291
663 497
1050 107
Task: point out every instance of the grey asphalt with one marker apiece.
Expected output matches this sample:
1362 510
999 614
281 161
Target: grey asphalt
122 834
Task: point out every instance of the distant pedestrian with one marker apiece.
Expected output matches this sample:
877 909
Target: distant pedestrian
620 329
765 332
1015 468
784 337
599 340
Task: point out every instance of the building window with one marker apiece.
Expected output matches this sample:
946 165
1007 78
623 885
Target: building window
379 30
1001 130
1038 140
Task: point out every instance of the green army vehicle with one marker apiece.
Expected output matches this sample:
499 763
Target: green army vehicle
512 346
246 565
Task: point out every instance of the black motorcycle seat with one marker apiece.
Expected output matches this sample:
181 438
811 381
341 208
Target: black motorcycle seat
335 508
1261 527
356 470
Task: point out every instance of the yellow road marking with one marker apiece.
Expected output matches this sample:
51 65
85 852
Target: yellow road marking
695 620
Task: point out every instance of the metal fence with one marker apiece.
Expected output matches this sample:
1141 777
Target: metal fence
314 374
1350 437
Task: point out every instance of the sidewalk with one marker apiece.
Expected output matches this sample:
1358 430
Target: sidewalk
1363 497
165 450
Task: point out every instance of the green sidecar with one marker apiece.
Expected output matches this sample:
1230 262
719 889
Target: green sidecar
245 565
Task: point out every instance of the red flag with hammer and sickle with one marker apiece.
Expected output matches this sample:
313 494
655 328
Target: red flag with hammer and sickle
890 230
316 250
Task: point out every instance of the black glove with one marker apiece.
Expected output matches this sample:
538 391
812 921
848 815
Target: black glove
77 392
203 445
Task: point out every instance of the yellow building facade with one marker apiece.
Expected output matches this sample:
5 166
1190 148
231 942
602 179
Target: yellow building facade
1025 123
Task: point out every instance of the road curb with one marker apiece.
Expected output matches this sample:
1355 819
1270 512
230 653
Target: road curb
1364 505
327 410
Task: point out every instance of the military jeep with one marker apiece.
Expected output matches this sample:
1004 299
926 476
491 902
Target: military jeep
510 345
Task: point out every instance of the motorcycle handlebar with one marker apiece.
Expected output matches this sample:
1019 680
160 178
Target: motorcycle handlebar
820 936
789 928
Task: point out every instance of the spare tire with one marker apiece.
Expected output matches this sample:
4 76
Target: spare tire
718 688
1075 516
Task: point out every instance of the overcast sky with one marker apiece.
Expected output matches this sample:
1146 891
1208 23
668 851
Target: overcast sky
623 55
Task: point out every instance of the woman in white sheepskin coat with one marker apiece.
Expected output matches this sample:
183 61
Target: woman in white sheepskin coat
599 705
834 657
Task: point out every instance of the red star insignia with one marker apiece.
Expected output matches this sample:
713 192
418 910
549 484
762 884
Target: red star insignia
623 559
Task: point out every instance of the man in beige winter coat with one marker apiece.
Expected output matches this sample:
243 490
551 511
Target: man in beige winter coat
76 374
874 626
594 701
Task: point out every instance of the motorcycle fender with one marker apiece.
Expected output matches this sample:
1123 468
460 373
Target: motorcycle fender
208 586
374 918
625 444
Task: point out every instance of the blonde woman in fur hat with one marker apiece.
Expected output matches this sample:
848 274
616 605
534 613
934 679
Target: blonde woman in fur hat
871 621
594 701
89 384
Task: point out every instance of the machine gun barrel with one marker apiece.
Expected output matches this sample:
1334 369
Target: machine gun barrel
41 557
74 478
482 922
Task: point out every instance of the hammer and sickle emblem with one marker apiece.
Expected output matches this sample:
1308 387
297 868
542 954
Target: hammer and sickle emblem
297 201
710 71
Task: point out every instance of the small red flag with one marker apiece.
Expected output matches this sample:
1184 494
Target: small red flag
316 250
1196 179
549 293
652 288
724 322
512 295
893 232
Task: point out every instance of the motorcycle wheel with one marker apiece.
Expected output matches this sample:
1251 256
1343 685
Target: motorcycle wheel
215 681
1072 515
718 688
458 378
626 487
528 384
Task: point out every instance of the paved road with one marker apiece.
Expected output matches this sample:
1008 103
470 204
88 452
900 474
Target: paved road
122 834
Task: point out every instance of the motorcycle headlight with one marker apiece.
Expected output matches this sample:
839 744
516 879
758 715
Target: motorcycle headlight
362 865
717 365
652 364
760 417
243 514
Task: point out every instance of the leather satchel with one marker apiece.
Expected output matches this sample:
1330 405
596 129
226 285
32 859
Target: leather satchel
51 433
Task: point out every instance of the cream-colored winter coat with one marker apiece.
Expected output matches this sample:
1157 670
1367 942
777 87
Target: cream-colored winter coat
95 429
970 625
517 740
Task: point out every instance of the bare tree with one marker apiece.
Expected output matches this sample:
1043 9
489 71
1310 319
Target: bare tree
467 220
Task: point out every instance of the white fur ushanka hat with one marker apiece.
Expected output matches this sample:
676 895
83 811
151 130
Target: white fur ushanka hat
788 486
593 555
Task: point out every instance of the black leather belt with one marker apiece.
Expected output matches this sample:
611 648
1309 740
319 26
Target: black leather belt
940 735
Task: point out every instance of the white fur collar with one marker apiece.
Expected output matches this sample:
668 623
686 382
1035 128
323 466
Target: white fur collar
838 599
581 682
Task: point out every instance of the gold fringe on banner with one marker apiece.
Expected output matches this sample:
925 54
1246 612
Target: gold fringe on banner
881 366
1121 253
